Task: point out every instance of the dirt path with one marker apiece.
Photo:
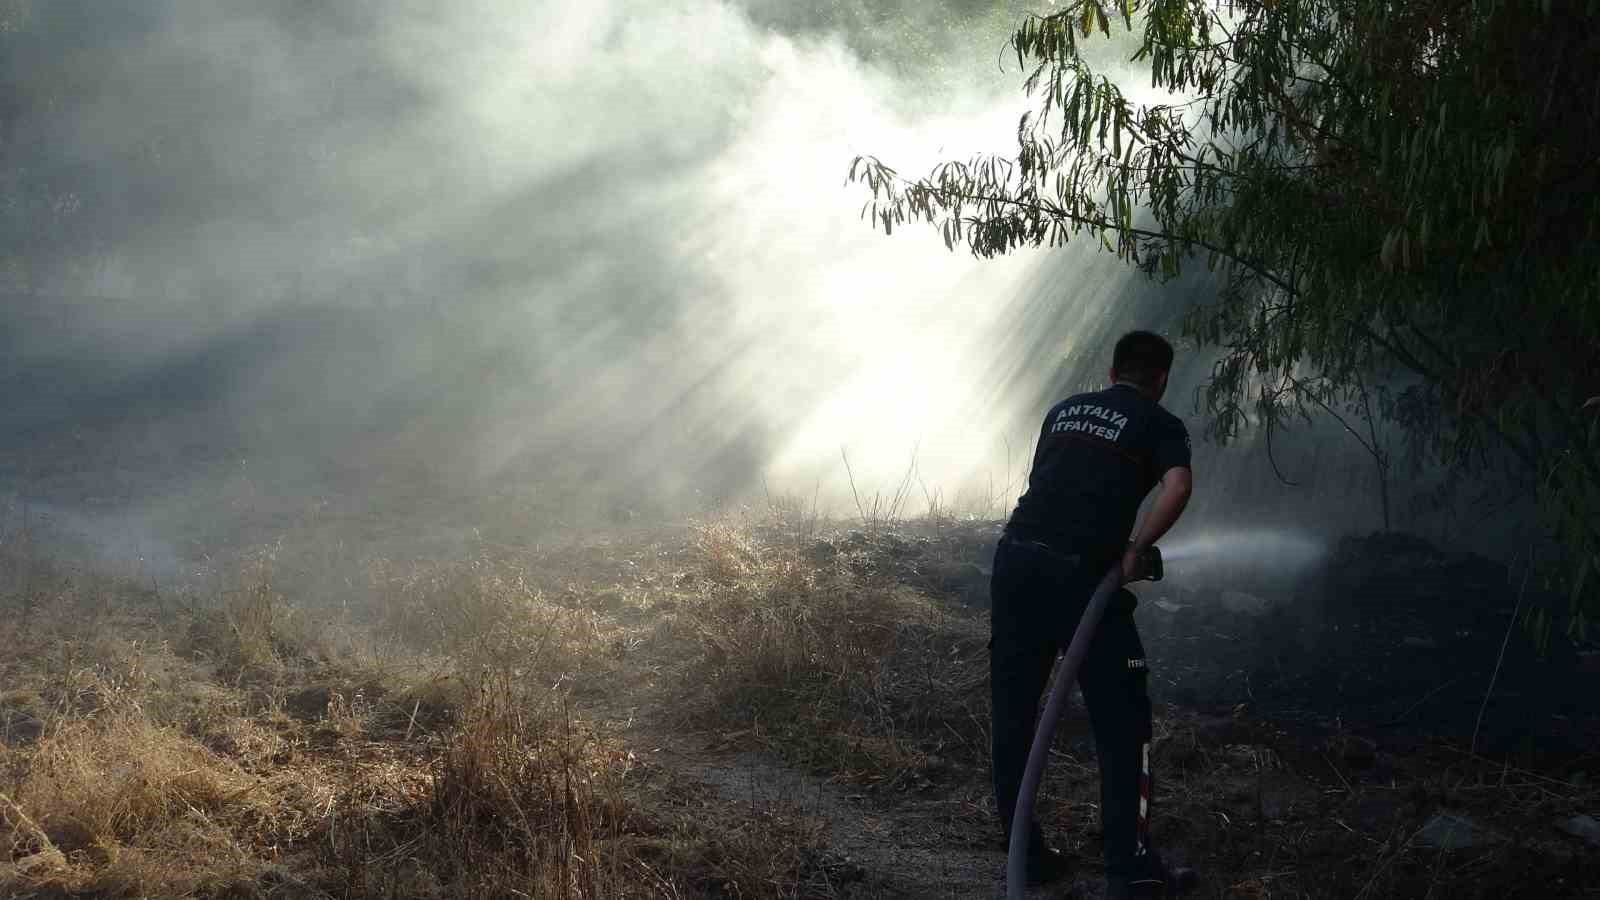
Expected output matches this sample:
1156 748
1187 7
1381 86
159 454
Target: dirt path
915 848
938 842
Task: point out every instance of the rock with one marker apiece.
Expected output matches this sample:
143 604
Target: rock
1586 827
1245 604
1448 831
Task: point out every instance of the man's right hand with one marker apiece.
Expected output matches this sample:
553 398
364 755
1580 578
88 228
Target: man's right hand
1176 485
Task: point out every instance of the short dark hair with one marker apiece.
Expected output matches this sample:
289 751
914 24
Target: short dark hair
1141 357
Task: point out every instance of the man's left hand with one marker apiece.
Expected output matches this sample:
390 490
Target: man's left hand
1133 568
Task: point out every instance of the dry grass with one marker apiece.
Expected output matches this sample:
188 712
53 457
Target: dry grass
117 804
836 667
518 800
248 630
487 614
237 745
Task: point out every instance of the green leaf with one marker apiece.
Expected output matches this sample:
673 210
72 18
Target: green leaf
1447 157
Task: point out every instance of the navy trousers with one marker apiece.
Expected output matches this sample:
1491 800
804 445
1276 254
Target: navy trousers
1038 595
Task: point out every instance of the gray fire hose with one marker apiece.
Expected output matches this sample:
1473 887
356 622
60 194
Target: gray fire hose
1066 673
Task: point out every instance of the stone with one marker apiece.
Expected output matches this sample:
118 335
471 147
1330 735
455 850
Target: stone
1449 831
1586 827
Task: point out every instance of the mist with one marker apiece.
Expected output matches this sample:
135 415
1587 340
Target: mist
599 259
510 235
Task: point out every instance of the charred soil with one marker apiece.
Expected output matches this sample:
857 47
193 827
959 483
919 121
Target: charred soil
755 707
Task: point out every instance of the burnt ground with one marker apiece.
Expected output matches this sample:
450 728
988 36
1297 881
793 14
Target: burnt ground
1390 640
1315 729
1389 637
1313 734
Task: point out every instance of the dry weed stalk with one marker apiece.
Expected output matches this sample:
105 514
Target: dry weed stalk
881 511
517 802
849 672
487 614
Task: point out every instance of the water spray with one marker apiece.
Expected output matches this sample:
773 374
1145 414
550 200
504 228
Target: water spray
1276 548
1066 673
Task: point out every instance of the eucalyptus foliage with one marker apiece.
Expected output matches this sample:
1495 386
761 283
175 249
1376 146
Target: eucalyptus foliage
1394 193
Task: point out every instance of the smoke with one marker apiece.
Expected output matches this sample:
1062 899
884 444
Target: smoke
122 541
606 244
600 254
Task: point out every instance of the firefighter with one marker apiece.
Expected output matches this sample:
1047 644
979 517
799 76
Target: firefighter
1098 455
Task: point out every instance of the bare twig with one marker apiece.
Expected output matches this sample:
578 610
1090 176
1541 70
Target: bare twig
1398 850
1425 698
860 509
1500 660
23 822
415 707
1348 789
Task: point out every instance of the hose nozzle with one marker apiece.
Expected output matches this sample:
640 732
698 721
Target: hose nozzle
1150 567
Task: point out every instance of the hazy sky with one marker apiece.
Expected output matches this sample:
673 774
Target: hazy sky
614 227
605 246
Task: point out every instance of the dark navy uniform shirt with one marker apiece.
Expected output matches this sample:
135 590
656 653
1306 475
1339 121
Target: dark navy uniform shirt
1099 454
